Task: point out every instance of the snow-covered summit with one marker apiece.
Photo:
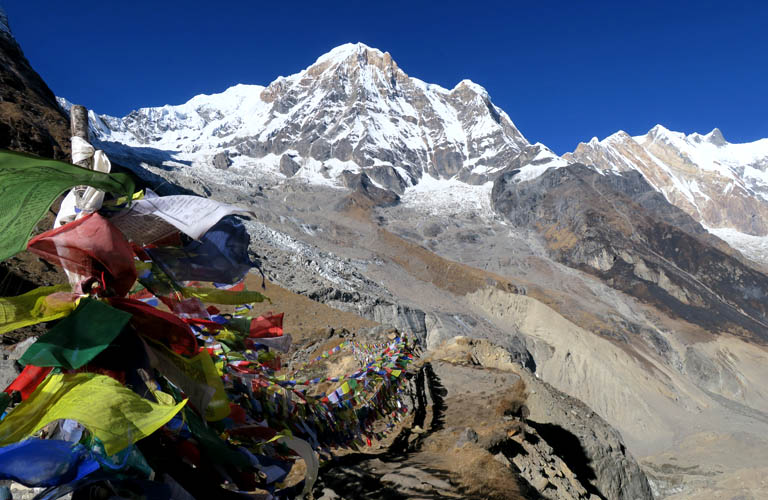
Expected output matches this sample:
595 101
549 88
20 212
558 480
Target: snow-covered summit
352 110
347 50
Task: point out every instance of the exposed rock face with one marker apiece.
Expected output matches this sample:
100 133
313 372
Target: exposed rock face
288 166
30 119
221 161
721 185
605 223
402 317
363 185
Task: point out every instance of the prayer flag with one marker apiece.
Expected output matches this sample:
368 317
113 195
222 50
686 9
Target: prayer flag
46 462
28 380
113 413
42 304
158 325
220 256
266 326
89 246
79 338
28 187
192 215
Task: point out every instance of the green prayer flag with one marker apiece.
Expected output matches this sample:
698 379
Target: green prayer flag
78 338
217 451
28 187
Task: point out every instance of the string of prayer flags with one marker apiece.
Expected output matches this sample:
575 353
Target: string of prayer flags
28 187
111 412
118 368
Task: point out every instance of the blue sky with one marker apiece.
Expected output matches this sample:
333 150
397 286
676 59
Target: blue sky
563 71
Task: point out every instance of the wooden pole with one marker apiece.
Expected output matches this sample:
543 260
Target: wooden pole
78 116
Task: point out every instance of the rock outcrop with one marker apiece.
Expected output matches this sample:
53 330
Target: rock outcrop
30 118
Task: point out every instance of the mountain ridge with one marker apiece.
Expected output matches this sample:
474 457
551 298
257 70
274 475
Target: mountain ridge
353 109
355 112
723 186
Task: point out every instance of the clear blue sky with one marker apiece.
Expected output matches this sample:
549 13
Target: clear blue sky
564 71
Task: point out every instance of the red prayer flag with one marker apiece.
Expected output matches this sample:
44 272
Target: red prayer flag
159 325
89 246
28 380
267 326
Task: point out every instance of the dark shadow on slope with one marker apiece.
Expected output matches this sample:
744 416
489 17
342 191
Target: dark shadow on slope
129 159
426 382
154 156
437 392
568 447
510 449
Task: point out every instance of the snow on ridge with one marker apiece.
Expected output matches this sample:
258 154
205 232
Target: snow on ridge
254 125
543 161
478 89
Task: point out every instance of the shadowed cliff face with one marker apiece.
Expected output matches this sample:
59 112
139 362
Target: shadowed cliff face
614 226
30 119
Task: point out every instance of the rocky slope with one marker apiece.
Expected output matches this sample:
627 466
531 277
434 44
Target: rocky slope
616 226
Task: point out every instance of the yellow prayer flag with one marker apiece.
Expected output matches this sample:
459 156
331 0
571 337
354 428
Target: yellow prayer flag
46 303
224 297
113 413
197 377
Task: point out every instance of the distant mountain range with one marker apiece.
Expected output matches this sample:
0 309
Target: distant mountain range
355 113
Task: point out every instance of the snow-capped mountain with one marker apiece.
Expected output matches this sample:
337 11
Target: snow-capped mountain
355 113
724 186
353 110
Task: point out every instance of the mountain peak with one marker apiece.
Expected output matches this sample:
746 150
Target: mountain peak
359 51
469 84
716 137
659 130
